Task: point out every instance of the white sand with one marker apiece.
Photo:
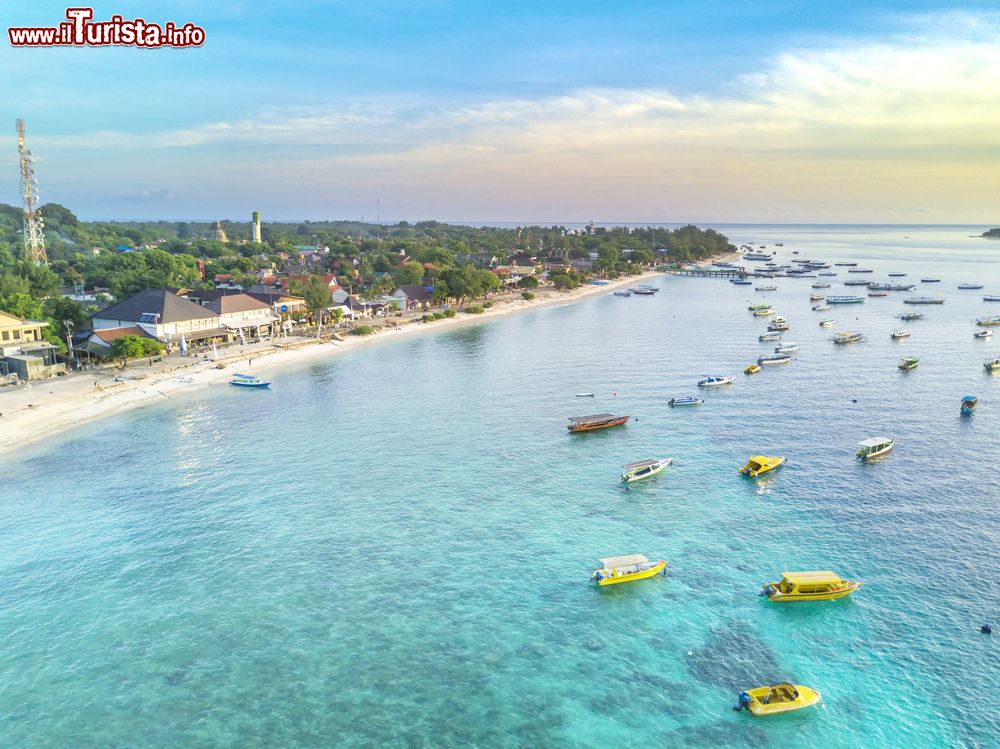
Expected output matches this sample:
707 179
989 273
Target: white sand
31 413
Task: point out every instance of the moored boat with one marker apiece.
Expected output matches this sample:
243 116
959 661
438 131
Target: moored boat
896 275
987 322
908 363
626 569
878 293
861 270
820 307
991 298
814 585
595 422
856 283
751 369
970 286
248 381
816 297
740 282
911 316
846 265
930 280
923 300
766 361
788 347
763 312
770 335
826 323
876 447
983 334
714 381
969 404
643 469
760 464
685 400
778 324
765 288
845 299
899 334
847 337
821 285
992 365
626 292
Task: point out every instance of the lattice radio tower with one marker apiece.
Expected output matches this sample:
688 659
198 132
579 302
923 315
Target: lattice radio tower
34 236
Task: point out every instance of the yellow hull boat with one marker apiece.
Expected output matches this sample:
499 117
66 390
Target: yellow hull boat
627 569
752 369
816 585
758 464
777 698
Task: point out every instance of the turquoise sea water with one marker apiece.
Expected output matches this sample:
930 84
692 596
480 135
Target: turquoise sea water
392 548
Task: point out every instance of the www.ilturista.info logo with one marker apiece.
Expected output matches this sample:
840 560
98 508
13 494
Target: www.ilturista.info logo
79 30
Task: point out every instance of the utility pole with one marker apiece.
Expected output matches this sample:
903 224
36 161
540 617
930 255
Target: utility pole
34 236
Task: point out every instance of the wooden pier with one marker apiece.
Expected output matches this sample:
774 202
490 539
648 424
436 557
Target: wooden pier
707 272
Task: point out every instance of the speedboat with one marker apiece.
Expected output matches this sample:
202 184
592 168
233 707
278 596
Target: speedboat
898 334
826 323
626 569
991 298
644 469
970 286
758 464
930 280
969 404
584 395
986 322
815 297
787 348
765 361
992 365
820 307
821 286
983 334
770 335
626 292
816 585
685 400
908 363
248 381
875 447
594 422
848 337
752 369
715 381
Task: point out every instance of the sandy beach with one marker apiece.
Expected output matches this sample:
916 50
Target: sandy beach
33 412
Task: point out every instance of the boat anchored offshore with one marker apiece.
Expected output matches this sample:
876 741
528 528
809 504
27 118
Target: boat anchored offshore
969 404
714 381
758 464
770 335
992 365
911 316
644 469
820 307
847 337
826 323
751 369
987 322
845 299
594 422
970 286
787 348
623 293
626 569
685 400
923 300
983 334
875 447
248 381
778 323
765 361
908 363
777 698
816 585
897 335
991 298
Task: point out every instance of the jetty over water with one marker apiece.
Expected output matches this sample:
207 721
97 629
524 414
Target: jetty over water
739 272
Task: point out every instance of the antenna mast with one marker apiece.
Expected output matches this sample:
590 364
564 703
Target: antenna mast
34 236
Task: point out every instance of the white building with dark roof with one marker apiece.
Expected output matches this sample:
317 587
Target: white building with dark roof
163 315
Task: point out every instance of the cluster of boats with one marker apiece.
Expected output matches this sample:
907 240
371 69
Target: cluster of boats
640 290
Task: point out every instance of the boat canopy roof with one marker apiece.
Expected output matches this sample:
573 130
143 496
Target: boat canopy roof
628 560
968 398
642 464
592 417
874 441
245 377
811 578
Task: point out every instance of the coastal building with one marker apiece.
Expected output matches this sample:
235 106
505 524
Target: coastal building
23 350
98 343
244 315
164 316
281 302
413 296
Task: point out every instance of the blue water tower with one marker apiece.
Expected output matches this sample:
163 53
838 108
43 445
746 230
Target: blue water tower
284 309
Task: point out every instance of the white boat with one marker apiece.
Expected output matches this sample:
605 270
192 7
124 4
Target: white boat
642 290
773 359
644 469
845 299
983 334
826 323
248 381
584 395
816 297
771 335
715 381
875 447
991 298
765 288
820 307
821 286
623 293
970 286
777 324
787 348
764 312
992 365
898 334
685 400
847 337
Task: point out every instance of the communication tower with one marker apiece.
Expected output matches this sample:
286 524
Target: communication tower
34 235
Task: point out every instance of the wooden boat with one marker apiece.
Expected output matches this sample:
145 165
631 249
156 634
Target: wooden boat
626 292
770 335
911 316
897 335
845 299
908 363
685 400
878 293
778 324
969 404
644 469
714 381
970 286
584 395
826 323
875 447
641 291
896 275
923 300
765 288
755 307
986 322
738 282
847 337
816 585
930 280
627 569
991 298
822 285
861 270
751 369
594 422
983 334
846 265
758 464
248 381
854 282
992 365
766 361
816 297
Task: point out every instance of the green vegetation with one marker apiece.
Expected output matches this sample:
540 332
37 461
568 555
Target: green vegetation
450 313
474 309
527 295
134 347
362 330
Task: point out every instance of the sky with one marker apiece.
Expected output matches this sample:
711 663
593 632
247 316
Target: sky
720 111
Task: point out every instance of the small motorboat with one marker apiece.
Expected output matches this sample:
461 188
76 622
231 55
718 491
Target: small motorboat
827 274
752 369
756 307
626 569
826 323
763 312
685 400
847 337
770 335
765 288
970 286
641 291
787 348
759 464
992 365
815 585
594 422
626 292
923 300
845 299
878 293
969 404
248 381
908 363
778 324
738 282
714 381
766 361
983 334
820 307
930 280
991 298
584 395
897 335
644 469
846 265
856 283
911 316
816 297
896 275
875 447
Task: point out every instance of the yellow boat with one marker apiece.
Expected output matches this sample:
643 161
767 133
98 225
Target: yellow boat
626 569
777 698
817 585
752 369
758 464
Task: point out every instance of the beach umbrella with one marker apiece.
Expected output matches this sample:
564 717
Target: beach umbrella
184 346
215 352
